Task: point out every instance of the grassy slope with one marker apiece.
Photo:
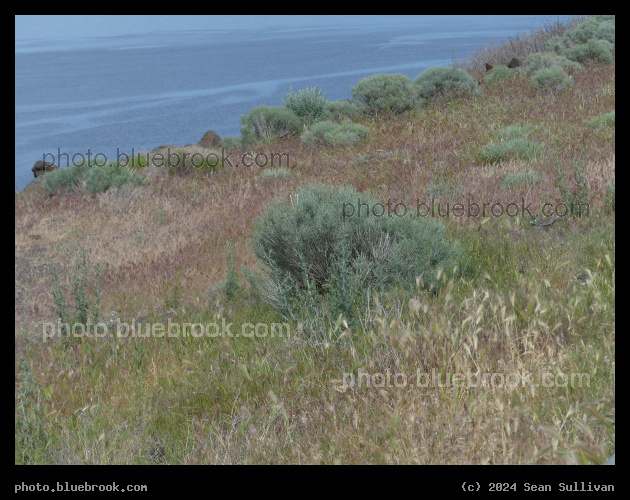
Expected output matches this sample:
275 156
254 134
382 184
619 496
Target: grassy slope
228 400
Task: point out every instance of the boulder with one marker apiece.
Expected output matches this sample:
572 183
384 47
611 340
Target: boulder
210 140
515 62
41 167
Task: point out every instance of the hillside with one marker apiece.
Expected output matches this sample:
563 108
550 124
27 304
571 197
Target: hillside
536 295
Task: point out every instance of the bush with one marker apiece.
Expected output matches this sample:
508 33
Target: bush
515 132
70 178
554 78
100 179
514 148
537 61
85 291
340 110
269 122
594 28
605 120
499 73
593 50
232 142
317 246
556 44
335 134
308 104
442 79
386 93
529 177
96 178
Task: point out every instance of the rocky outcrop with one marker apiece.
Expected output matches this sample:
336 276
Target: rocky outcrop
210 140
515 62
41 167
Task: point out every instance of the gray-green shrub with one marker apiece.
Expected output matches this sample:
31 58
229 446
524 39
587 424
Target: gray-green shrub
539 60
386 93
232 142
556 44
499 74
513 148
528 177
594 28
269 122
516 131
96 178
100 179
308 104
554 78
311 246
593 50
341 110
334 133
605 120
441 79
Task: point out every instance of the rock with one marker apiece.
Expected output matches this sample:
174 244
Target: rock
210 140
41 167
515 62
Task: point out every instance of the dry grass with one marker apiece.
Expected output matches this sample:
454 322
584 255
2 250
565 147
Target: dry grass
540 301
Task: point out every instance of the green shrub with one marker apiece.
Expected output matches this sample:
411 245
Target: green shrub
515 131
439 189
605 120
96 178
594 28
537 61
556 44
70 178
318 246
499 73
308 104
85 291
554 78
442 79
334 133
386 93
528 177
100 179
593 50
513 148
269 122
340 110
232 142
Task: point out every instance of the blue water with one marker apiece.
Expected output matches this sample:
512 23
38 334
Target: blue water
113 83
